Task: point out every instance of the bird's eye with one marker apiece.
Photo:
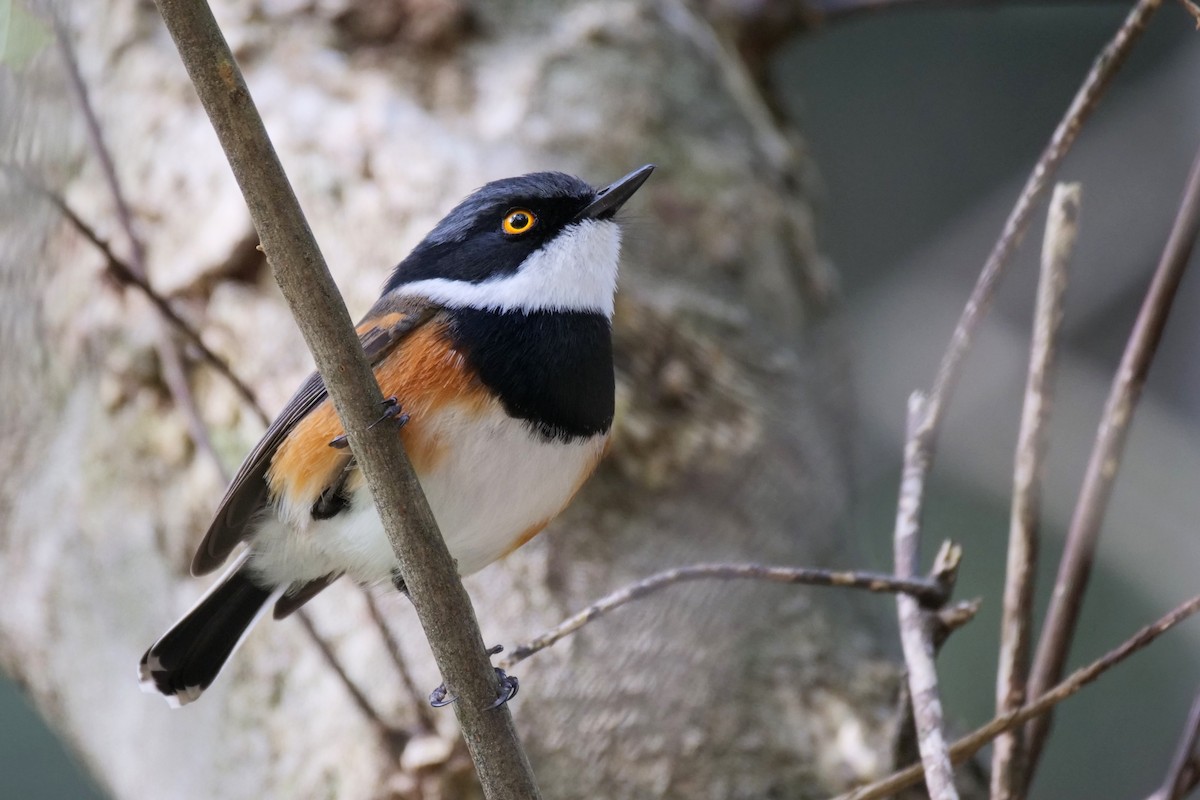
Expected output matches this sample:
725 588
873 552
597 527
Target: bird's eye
519 220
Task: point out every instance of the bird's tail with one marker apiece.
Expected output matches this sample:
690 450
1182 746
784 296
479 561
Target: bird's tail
187 658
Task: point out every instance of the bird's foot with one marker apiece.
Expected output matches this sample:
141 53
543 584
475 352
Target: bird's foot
392 410
509 686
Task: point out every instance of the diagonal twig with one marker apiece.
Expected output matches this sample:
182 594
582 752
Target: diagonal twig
1084 103
972 743
916 623
927 589
389 734
174 373
1184 772
124 274
1084 532
923 439
425 720
1016 627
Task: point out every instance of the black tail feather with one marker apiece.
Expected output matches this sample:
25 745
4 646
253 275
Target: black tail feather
186 660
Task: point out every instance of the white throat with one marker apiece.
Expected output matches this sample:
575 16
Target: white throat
574 271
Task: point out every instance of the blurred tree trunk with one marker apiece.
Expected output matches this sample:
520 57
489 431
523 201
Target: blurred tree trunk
730 445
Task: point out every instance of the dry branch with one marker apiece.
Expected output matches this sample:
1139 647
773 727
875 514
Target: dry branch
174 374
926 589
1084 532
441 601
917 623
1184 772
972 743
1016 627
1098 78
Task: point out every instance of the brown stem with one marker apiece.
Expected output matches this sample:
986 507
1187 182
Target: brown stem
428 571
928 590
1016 627
1084 533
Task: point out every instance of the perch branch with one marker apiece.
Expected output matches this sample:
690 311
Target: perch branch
917 623
1084 532
1016 625
972 743
437 593
928 590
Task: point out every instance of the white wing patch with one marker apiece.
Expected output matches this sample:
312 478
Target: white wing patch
574 271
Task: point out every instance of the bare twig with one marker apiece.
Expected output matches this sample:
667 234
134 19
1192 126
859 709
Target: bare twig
1184 771
168 349
1098 78
124 274
428 571
1084 532
971 744
424 714
926 589
1016 627
916 623
1192 9
391 735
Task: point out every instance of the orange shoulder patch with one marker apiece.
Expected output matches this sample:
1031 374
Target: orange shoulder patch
424 372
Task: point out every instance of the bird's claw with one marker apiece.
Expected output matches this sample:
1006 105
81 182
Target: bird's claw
392 410
509 686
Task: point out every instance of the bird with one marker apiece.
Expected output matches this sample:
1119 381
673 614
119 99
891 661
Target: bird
492 341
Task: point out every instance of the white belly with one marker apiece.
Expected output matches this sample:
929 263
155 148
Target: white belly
496 480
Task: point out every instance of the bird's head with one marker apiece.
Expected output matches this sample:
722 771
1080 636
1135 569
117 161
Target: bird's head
544 241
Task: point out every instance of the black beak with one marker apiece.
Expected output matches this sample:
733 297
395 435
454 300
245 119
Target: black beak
613 196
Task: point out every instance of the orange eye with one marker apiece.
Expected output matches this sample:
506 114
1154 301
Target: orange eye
519 220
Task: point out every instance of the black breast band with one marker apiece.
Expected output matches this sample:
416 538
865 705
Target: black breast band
553 369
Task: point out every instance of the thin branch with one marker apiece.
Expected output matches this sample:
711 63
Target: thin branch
926 589
124 274
425 720
168 348
388 733
1016 627
1097 81
1193 10
1184 771
916 623
1084 533
971 744
437 592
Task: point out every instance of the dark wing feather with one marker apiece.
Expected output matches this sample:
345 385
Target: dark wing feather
247 493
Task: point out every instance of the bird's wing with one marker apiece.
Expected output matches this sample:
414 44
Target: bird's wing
384 327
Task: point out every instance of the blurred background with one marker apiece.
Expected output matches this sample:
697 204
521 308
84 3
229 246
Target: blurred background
923 126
